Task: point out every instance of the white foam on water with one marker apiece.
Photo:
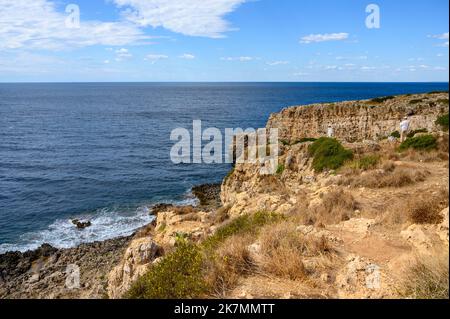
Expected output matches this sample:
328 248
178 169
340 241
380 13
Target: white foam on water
106 224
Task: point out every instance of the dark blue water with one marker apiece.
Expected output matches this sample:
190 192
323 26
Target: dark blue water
102 151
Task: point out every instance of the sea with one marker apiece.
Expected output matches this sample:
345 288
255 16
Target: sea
101 151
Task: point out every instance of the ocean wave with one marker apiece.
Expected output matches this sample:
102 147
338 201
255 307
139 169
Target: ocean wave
107 223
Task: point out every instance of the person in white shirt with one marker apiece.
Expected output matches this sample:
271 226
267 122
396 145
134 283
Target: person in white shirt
404 128
330 131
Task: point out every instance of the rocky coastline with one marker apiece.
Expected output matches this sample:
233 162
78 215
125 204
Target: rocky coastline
42 273
367 222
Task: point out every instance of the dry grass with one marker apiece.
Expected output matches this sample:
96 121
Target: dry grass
389 176
425 156
427 278
283 249
422 209
220 215
335 207
230 262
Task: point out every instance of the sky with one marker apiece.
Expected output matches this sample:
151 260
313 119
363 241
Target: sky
224 40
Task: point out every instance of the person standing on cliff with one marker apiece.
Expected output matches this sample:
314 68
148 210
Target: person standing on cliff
330 131
404 128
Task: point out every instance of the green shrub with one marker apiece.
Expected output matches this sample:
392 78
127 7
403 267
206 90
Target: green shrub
416 101
437 92
442 121
423 142
177 276
229 175
443 101
305 140
249 223
382 99
285 143
414 132
280 169
328 153
395 134
365 162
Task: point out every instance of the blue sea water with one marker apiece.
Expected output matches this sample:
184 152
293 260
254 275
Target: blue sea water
101 151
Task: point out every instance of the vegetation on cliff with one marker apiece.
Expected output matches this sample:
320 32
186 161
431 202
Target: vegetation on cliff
183 272
442 121
422 142
328 153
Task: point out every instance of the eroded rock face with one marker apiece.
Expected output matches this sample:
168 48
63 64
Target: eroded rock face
43 273
427 238
137 259
362 279
358 120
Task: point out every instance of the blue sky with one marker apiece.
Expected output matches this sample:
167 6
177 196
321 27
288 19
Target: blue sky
223 40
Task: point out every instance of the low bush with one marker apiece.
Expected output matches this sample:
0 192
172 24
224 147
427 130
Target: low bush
392 177
427 278
305 140
227 264
249 223
418 131
423 142
177 276
365 163
425 211
336 206
437 92
416 101
395 134
442 121
280 169
328 153
382 99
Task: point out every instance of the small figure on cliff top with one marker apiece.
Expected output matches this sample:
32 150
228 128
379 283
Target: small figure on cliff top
404 128
330 131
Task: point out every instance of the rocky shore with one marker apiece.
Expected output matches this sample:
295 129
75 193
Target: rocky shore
42 273
366 229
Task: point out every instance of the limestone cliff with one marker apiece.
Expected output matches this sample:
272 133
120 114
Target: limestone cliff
359 120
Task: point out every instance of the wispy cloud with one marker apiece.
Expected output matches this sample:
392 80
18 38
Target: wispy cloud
123 54
360 57
314 38
275 63
153 58
187 56
240 58
38 25
444 36
189 17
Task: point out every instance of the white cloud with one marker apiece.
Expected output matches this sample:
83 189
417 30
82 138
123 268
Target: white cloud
189 17
37 25
123 54
367 68
313 38
300 74
275 63
360 57
240 58
444 36
153 58
187 56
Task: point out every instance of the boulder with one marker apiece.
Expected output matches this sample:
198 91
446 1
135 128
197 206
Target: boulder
137 259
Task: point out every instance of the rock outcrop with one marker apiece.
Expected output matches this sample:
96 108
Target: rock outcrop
137 258
359 120
60 273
